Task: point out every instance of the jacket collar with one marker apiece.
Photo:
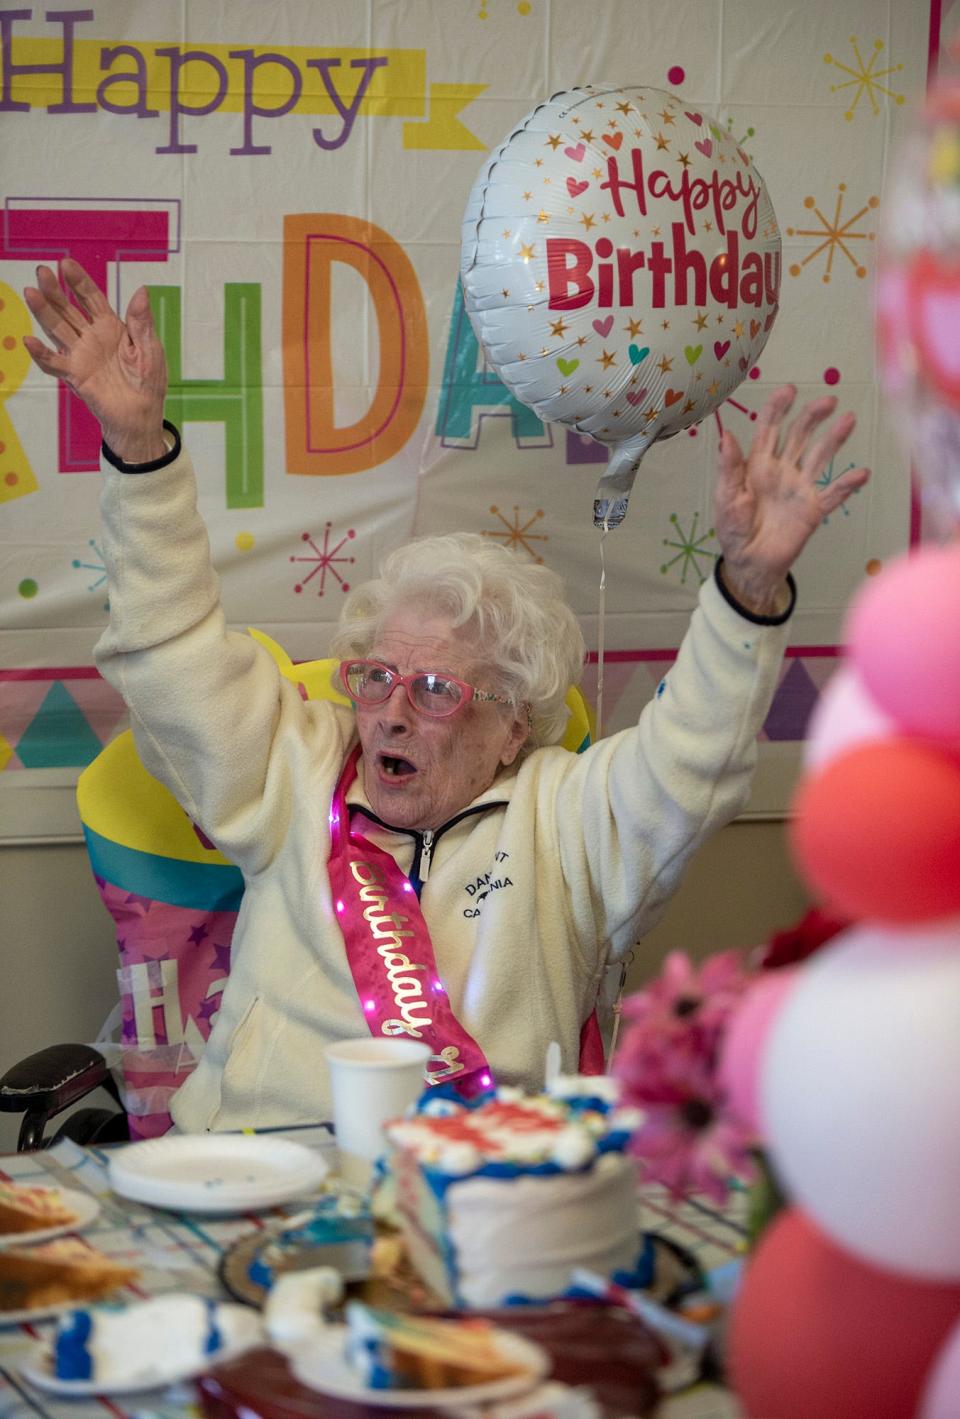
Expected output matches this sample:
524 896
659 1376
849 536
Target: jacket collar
497 795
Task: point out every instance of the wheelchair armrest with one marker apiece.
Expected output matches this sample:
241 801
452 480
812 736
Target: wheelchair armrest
53 1079
50 1081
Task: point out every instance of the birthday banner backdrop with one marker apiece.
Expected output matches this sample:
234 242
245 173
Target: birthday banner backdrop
289 181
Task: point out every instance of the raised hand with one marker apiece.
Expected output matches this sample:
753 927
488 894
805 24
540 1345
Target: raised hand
768 504
117 367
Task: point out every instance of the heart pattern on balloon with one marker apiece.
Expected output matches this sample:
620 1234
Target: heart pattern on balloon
576 154
637 356
693 353
567 367
613 140
636 396
704 146
575 188
671 397
603 327
720 348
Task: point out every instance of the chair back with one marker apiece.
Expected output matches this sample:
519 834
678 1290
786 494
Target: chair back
174 900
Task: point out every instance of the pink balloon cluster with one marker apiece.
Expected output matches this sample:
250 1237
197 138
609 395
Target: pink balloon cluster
879 831
877 826
850 1064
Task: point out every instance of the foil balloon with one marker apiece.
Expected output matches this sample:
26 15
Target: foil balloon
918 303
621 268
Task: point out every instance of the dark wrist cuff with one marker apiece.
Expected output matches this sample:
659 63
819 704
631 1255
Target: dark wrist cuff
757 620
154 463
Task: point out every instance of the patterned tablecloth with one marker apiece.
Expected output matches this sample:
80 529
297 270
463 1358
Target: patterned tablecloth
181 1252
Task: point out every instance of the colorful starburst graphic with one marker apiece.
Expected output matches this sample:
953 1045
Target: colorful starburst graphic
689 550
732 403
516 533
830 475
864 77
836 234
741 139
325 559
99 567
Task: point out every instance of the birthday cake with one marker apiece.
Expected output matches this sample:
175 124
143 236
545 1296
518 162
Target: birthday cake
502 1200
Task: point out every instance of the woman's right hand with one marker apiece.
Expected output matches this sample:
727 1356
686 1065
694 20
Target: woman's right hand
116 367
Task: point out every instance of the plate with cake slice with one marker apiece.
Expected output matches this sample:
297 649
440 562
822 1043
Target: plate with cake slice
147 1345
408 1362
38 1214
41 1281
39 1370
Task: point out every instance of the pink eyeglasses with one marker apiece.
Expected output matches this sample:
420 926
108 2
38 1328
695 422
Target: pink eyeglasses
368 682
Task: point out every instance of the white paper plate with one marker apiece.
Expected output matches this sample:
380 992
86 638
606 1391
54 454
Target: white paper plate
215 1173
322 1365
83 1205
39 1371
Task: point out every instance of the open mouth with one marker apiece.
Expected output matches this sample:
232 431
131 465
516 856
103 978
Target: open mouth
394 767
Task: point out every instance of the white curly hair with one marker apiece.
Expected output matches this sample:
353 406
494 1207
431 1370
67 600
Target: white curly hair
514 615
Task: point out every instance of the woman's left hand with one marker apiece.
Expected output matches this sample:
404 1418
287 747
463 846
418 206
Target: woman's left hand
769 503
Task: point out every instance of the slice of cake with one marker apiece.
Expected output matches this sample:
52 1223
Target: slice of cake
337 1231
151 1340
501 1201
391 1351
65 1270
32 1209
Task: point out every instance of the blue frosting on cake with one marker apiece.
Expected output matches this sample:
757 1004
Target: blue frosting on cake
368 1351
334 1223
213 1340
579 1107
72 1358
441 1181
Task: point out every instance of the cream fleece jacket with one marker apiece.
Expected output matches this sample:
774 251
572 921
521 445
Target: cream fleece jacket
527 904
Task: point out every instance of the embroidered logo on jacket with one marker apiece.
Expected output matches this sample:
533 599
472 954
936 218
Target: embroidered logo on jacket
480 888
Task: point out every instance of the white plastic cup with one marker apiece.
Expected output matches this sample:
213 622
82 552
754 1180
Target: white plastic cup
372 1081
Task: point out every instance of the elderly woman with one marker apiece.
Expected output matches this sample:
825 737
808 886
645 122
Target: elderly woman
428 863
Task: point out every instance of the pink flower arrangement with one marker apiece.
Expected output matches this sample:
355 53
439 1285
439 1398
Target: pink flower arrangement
667 1065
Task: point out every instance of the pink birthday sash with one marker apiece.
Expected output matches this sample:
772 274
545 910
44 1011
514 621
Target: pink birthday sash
391 957
390 953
